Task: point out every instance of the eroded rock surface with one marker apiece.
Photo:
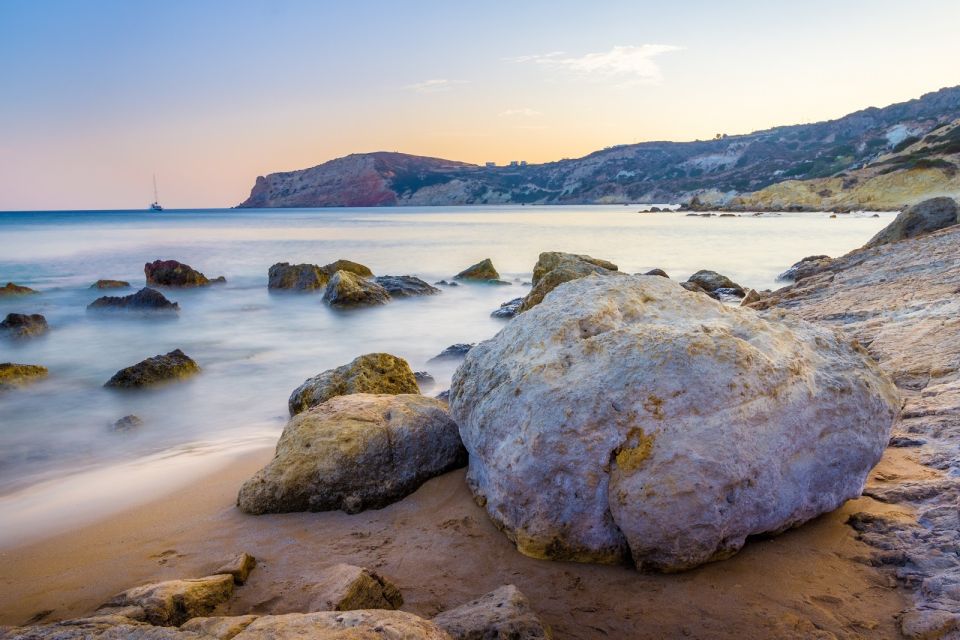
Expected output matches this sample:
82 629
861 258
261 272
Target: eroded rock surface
345 587
21 325
347 289
171 273
369 373
14 375
553 268
716 284
503 614
355 452
159 369
348 265
625 417
405 286
173 602
922 218
11 289
343 625
483 270
298 277
146 300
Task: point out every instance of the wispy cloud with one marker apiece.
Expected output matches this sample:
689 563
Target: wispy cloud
630 64
525 112
434 85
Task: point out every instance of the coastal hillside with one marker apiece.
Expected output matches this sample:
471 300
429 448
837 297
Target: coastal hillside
715 170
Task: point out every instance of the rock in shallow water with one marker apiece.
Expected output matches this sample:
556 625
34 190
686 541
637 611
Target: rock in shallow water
347 290
146 300
508 309
482 271
347 265
170 273
11 289
369 373
21 325
298 277
453 352
405 286
624 417
14 375
175 365
716 284
355 452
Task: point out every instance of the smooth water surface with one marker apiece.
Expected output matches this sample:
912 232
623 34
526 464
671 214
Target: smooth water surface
60 462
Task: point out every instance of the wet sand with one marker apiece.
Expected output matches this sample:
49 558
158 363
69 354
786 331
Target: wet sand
442 550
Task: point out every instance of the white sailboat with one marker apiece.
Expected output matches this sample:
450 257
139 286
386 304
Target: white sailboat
155 205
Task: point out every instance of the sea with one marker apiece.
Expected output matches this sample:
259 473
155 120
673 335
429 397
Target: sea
61 464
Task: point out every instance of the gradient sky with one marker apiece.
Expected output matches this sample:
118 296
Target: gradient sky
97 95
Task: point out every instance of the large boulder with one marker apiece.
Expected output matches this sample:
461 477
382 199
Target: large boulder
502 614
716 284
925 217
366 624
553 268
624 417
21 325
299 277
146 300
14 375
173 602
11 289
170 273
345 587
369 373
355 452
349 266
175 365
347 289
483 270
405 286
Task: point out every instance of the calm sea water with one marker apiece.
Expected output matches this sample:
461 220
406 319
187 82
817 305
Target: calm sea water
60 463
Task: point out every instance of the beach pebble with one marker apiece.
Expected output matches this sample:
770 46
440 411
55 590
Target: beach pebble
716 284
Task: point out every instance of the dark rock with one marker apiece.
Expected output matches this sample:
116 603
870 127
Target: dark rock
710 281
15 290
925 217
21 325
300 277
424 379
347 289
109 284
693 286
657 272
444 396
170 273
347 265
906 441
405 286
453 352
655 209
175 365
483 270
127 423
809 266
508 309
369 373
145 300
14 375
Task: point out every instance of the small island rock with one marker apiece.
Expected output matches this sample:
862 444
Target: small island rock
175 365
483 270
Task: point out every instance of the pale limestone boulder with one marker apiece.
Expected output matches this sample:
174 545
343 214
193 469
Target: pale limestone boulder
502 614
369 373
628 417
173 602
345 587
355 452
219 627
370 624
110 627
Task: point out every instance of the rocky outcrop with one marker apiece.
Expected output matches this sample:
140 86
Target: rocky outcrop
809 266
925 217
160 369
299 277
239 567
173 602
14 375
553 268
482 271
716 284
499 615
345 587
146 300
110 284
453 352
508 309
348 265
369 373
21 325
347 290
355 452
405 286
11 289
170 273
369 624
649 423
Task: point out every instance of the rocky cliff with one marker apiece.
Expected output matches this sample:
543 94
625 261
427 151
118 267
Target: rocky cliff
715 170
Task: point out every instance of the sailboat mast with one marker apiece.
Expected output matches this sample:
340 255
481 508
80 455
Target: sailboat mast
155 198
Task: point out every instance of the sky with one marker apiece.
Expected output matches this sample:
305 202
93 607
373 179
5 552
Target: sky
98 96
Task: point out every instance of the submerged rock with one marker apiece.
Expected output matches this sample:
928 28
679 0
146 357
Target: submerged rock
175 365
145 300
553 268
14 375
716 284
405 286
345 587
652 424
11 289
21 325
369 373
483 270
501 614
299 277
347 289
355 452
424 379
110 284
170 273
508 309
809 266
349 266
925 217
173 602
453 352
127 423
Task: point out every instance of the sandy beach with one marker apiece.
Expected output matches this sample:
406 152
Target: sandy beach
442 550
